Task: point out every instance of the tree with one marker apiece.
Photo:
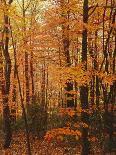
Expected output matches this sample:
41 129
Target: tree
66 48
84 89
7 71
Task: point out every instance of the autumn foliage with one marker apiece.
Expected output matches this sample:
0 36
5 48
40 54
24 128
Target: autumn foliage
57 76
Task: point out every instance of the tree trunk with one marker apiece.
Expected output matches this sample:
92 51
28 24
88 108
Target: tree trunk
14 93
32 79
66 44
84 89
26 57
6 111
6 86
22 102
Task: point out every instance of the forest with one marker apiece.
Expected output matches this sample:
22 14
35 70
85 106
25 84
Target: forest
57 77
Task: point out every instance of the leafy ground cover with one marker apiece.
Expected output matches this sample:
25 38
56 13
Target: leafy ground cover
38 147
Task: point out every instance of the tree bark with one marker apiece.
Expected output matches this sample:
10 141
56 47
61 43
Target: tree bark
84 89
66 44
6 85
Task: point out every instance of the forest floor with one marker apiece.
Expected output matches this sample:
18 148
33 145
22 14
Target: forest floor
38 147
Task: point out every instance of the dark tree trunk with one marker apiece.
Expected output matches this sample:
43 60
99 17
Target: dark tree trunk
69 84
84 89
6 86
26 57
97 91
92 89
14 92
109 96
43 104
27 79
92 82
6 111
32 79
66 44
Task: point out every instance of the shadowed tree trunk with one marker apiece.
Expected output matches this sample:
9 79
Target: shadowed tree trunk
14 93
43 104
26 56
66 44
84 89
31 59
6 85
32 78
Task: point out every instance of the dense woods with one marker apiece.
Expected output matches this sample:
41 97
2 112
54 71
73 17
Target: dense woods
57 77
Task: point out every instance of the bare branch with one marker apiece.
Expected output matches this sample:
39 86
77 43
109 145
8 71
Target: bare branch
93 10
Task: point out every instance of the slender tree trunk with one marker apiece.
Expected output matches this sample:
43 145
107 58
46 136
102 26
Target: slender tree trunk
43 85
32 79
6 111
6 88
43 121
14 95
26 57
27 79
66 44
92 82
14 92
6 85
84 89
97 91
22 101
